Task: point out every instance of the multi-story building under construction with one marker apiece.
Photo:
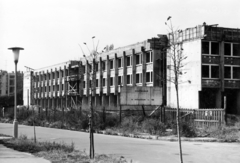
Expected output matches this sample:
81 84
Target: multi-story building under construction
212 72
68 84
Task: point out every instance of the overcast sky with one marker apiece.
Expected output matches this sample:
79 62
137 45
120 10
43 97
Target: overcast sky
50 30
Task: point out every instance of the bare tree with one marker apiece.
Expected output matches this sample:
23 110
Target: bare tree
175 65
91 57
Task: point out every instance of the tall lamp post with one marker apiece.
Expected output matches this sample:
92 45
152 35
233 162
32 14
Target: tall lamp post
15 51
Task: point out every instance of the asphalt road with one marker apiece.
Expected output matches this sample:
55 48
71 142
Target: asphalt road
137 150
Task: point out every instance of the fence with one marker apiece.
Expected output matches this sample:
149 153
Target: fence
199 117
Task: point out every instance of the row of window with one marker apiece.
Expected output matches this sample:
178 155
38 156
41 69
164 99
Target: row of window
212 71
149 76
212 48
120 62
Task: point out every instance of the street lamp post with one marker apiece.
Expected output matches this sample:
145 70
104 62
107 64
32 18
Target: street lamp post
15 51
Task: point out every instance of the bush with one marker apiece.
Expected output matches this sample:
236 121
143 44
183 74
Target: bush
153 126
186 129
227 133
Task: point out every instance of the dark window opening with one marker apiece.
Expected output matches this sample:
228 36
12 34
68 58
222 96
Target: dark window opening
129 81
96 82
111 81
104 82
139 78
90 83
111 64
205 71
119 80
84 84
214 71
227 49
129 63
138 59
148 57
227 72
96 67
90 68
149 77
236 49
103 65
236 72
205 47
214 48
83 69
119 62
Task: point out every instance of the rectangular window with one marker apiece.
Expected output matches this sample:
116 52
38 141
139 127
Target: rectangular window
11 82
205 47
236 49
129 60
111 81
119 62
84 84
227 72
111 64
214 71
96 82
104 82
236 72
83 69
11 89
149 76
104 65
214 48
205 71
149 57
227 49
120 80
129 79
139 78
90 83
138 59
96 67
90 68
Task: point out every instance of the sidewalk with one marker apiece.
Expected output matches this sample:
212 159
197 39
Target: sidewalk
8 155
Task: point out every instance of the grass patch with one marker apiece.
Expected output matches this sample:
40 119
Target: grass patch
226 133
57 152
3 135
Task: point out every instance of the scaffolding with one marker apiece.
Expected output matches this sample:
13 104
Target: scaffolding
73 97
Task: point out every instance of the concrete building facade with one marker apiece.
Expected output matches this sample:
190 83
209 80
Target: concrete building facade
212 72
68 84
213 69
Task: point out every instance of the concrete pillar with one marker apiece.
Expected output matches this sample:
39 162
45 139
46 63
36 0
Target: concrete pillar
143 68
97 101
118 99
133 67
238 103
85 102
124 69
112 100
53 103
105 100
218 99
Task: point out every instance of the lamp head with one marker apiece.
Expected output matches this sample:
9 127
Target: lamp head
15 51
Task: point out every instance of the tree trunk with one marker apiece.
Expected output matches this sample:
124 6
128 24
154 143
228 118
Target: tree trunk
178 126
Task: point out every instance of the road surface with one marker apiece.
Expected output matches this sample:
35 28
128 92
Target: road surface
137 150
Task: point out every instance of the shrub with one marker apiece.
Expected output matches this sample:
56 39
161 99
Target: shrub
153 126
186 129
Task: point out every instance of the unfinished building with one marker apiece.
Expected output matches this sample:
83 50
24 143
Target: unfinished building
213 69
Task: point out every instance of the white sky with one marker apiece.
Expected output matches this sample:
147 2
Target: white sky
50 30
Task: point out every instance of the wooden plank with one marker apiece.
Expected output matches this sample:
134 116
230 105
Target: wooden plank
202 120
